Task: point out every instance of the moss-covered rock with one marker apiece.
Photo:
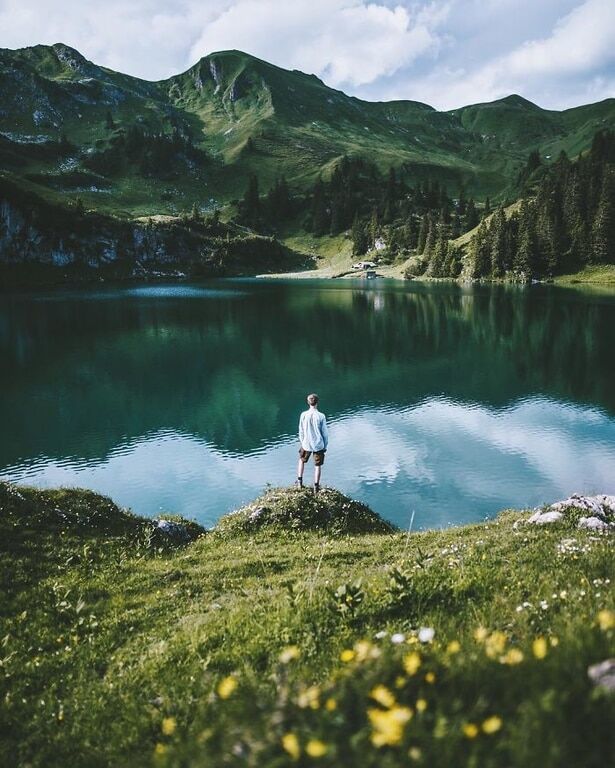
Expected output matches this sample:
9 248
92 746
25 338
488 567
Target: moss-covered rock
78 511
299 509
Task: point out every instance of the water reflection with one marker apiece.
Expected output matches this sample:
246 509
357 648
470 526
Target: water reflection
452 402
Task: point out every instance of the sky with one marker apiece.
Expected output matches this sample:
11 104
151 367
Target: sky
557 53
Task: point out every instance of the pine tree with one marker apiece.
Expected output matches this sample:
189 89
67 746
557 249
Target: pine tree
497 243
480 253
360 242
526 258
472 217
320 215
422 238
430 240
251 202
195 213
603 229
374 227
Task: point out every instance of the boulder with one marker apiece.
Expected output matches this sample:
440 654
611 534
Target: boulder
593 524
602 674
595 513
543 518
172 530
299 509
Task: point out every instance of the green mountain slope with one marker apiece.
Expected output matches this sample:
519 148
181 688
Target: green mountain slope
66 123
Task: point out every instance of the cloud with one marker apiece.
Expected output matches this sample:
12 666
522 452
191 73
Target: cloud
438 458
344 41
574 62
556 52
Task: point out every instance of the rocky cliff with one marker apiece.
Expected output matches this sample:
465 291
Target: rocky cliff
42 239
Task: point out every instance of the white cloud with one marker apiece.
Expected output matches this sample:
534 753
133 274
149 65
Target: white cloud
438 458
560 69
556 52
347 42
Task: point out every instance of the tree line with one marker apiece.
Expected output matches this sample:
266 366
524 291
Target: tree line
359 199
566 224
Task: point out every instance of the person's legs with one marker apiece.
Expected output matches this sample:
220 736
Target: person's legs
317 471
319 459
303 457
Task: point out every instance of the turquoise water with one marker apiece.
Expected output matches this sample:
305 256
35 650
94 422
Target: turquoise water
445 403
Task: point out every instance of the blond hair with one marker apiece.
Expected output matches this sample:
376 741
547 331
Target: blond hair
312 399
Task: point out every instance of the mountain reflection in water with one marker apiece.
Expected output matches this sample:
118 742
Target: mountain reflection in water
450 402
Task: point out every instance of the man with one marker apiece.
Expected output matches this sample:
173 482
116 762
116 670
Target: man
313 439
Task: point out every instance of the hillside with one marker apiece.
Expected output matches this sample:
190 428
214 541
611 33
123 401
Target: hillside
300 631
129 147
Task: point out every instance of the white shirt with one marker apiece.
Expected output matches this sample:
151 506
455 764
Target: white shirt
313 432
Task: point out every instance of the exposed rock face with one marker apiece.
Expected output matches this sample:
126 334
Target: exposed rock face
600 512
35 235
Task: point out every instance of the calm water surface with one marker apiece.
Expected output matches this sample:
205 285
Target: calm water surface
447 403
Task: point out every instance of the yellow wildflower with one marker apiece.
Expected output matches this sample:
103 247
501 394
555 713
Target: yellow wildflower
400 681
160 749
330 705
411 662
289 654
470 730
316 748
453 647
388 725
606 619
366 650
169 724
347 655
554 641
512 657
226 687
309 698
414 753
495 644
383 696
492 724
539 647
421 705
480 634
430 678
290 743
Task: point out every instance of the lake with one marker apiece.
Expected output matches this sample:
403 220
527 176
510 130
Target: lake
445 403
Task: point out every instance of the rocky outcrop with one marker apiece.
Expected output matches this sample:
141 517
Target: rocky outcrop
71 244
596 513
299 509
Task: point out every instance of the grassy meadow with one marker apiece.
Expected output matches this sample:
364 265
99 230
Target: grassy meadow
302 631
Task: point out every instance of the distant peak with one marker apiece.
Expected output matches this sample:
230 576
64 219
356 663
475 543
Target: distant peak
518 101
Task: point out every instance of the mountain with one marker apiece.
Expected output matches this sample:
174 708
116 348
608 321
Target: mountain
130 147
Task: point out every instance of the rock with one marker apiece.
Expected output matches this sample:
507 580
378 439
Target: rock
601 506
543 518
256 514
172 530
602 674
599 512
593 524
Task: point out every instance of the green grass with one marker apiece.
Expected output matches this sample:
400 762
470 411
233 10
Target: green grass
299 127
594 275
269 644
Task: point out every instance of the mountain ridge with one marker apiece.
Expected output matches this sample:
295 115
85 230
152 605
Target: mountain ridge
247 116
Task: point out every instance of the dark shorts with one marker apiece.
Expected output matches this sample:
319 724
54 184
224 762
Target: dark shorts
319 457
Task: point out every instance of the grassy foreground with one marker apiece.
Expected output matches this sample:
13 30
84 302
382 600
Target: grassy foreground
300 632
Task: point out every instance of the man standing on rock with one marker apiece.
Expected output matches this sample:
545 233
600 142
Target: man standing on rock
313 439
